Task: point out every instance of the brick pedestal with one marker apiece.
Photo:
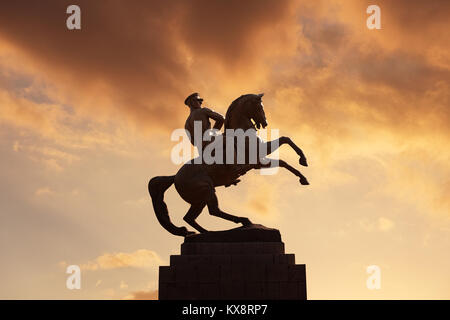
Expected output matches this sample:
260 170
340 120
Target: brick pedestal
232 270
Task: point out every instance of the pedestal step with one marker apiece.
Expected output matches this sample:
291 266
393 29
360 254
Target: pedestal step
276 290
227 259
232 248
240 270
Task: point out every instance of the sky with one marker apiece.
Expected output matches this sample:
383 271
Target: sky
86 118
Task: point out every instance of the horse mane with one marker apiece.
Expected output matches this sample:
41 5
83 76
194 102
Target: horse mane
237 102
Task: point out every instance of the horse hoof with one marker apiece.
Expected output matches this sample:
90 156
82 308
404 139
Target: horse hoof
303 162
184 232
303 181
246 222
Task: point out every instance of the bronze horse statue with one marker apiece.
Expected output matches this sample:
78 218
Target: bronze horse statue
196 182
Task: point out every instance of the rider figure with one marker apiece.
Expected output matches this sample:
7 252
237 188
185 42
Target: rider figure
203 115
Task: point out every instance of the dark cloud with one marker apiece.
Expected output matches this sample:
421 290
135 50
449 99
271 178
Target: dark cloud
141 59
228 30
345 76
136 51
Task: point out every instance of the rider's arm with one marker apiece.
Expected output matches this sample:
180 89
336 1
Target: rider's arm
217 117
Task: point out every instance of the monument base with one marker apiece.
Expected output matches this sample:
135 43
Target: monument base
219 265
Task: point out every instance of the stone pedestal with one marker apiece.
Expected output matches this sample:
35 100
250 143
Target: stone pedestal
242 263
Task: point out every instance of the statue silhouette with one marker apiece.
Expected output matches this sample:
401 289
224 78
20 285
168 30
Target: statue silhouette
196 182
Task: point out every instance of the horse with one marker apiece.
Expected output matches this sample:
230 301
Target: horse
196 182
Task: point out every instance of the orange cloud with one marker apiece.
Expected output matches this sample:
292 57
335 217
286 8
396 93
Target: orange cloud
141 258
138 59
143 295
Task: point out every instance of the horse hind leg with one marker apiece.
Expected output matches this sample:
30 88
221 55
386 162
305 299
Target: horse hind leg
214 210
192 214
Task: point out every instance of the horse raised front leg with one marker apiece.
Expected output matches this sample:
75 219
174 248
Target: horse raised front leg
214 210
272 163
273 145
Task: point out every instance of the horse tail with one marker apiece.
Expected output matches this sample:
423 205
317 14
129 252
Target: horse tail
157 186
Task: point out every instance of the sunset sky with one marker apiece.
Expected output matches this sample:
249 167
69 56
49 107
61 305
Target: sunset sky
86 117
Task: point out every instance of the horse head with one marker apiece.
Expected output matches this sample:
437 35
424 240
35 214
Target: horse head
246 112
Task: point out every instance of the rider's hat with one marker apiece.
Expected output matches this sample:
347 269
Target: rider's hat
191 97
